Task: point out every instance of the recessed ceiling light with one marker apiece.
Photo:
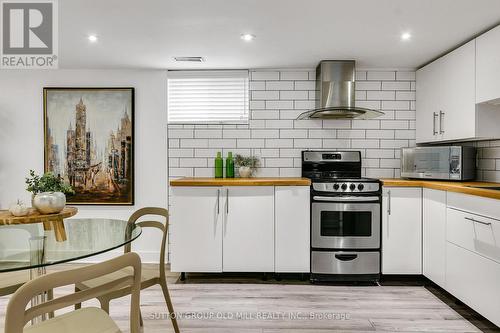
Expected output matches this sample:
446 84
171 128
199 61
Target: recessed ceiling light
247 37
405 36
92 38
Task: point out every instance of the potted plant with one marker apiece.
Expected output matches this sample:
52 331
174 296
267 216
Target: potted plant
48 192
247 165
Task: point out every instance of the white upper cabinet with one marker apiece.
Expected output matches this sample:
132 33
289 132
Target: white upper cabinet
488 66
446 97
458 95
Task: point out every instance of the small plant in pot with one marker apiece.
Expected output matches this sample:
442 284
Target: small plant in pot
247 165
48 192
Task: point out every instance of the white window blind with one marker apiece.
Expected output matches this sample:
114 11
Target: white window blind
201 97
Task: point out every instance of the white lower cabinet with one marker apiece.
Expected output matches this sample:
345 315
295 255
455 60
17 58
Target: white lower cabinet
292 241
240 229
434 235
402 230
248 229
196 229
474 280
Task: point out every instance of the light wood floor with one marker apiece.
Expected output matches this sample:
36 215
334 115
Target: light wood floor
269 307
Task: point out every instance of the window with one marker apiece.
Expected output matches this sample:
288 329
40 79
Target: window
204 97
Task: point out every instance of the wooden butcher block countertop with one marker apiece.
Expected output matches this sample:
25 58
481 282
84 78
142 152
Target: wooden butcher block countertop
460 187
267 181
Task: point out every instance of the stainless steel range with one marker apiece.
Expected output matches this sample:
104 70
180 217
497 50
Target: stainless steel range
345 217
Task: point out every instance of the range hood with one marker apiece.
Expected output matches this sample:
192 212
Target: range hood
335 93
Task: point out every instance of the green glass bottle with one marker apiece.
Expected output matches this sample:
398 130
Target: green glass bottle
219 166
229 165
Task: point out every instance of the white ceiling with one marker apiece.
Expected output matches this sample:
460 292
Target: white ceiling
290 33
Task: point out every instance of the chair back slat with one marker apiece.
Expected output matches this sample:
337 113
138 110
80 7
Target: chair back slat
154 224
17 316
85 295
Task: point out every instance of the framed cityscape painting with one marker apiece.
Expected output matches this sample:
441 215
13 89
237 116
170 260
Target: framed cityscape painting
89 142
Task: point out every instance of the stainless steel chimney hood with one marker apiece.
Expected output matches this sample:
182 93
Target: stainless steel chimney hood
335 93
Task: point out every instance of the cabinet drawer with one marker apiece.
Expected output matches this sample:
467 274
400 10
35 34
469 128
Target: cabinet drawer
474 280
345 262
473 232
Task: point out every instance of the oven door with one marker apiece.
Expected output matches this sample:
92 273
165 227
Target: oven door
345 225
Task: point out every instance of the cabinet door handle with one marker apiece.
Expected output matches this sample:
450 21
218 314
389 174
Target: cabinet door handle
389 202
227 201
434 117
218 196
441 121
477 221
388 210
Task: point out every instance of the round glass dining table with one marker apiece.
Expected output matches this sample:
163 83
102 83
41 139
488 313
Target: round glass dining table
30 247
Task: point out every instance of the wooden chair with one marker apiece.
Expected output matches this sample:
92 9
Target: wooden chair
150 275
85 320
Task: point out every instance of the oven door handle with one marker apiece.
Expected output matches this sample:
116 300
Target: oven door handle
346 199
346 257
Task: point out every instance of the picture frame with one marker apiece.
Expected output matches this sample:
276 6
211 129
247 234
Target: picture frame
89 140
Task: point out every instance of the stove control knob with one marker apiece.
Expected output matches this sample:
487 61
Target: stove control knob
361 187
336 187
352 187
344 187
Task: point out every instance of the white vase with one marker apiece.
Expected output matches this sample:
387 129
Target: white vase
49 202
245 172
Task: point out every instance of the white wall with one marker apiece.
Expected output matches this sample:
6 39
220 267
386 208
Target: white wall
21 137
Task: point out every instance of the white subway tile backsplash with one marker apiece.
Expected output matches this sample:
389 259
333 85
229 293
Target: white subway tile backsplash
360 144
265 95
279 105
279 143
395 105
192 162
181 152
180 133
381 95
250 143
351 134
381 75
305 85
398 85
282 123
264 75
279 162
257 85
366 124
279 85
322 133
222 143
405 76
207 133
394 124
336 143
379 134
304 104
265 133
368 85
294 94
236 134
293 133
285 75
265 114
307 143
278 97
